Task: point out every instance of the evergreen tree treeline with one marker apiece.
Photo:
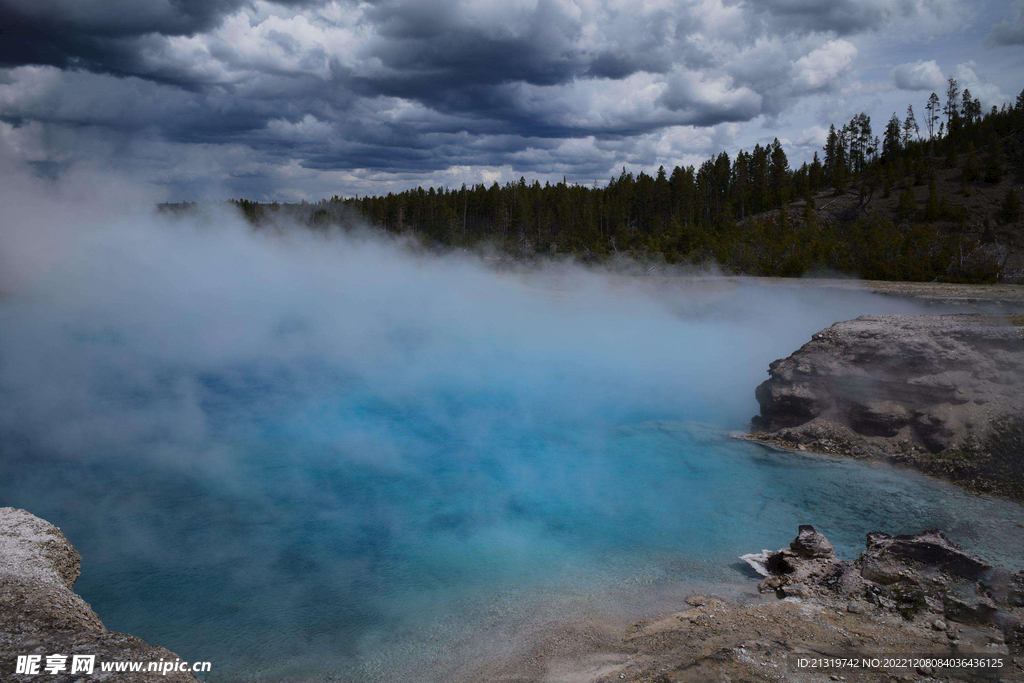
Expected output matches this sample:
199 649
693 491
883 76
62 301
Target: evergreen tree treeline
734 211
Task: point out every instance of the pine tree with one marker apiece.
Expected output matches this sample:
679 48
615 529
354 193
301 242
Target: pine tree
931 114
779 173
967 105
858 133
741 183
970 108
910 126
891 143
815 174
831 155
951 109
662 198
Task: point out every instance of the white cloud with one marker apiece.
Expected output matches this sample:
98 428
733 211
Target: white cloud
968 79
825 66
709 98
812 137
919 75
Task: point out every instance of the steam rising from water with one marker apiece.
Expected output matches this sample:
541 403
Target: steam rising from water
283 451
106 300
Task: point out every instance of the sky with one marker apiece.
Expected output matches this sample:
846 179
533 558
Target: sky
304 99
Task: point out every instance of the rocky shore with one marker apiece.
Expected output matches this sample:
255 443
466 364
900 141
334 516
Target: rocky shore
41 615
916 595
944 394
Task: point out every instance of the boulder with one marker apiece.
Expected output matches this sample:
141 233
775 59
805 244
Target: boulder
810 543
930 550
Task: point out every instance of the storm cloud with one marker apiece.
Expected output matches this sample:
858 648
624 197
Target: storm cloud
305 98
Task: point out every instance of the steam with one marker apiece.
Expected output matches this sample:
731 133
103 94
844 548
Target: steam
185 393
102 291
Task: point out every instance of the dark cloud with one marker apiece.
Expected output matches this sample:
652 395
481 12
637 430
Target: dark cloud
97 35
430 50
1011 31
417 86
102 35
848 17
707 103
119 18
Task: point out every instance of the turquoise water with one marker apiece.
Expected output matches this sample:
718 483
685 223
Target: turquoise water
307 565
358 464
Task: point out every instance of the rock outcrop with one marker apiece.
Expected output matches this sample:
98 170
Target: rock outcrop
41 615
944 393
922 577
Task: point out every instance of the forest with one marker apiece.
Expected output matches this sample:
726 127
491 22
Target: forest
929 198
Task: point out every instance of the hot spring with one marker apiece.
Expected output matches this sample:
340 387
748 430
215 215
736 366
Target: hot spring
300 456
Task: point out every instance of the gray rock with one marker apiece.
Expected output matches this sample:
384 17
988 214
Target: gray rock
930 548
878 418
810 543
796 590
41 614
904 386
911 575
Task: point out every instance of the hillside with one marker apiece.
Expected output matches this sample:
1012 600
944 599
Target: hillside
988 247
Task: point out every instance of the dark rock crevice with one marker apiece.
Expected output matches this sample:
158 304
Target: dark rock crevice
922 577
